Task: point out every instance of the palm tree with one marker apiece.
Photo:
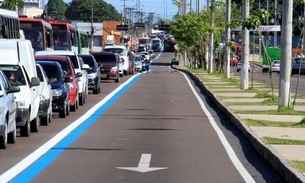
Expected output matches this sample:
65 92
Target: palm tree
12 5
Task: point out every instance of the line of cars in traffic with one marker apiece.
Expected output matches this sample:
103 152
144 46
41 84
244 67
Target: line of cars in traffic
33 86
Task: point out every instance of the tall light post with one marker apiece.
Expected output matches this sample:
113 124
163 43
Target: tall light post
92 28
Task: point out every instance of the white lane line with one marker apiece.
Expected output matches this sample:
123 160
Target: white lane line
238 165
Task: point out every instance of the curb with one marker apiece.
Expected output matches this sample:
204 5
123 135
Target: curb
269 154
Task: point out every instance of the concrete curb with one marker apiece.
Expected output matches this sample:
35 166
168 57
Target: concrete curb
279 163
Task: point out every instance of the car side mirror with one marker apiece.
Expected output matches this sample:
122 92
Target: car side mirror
13 89
35 81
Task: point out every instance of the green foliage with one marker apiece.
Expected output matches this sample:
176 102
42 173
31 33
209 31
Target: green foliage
82 9
56 9
12 5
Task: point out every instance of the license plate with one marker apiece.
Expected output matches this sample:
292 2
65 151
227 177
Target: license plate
103 75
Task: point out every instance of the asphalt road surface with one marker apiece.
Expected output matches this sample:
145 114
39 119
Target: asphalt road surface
152 127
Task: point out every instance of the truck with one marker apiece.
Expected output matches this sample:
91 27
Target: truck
270 54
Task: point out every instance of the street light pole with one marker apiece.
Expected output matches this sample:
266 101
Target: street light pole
92 28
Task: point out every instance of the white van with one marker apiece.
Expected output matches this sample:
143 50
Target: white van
123 52
18 63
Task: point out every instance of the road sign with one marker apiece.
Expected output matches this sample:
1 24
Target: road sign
140 25
164 27
143 165
122 27
262 28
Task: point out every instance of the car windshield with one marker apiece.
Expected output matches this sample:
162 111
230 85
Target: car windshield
90 62
105 58
14 74
52 72
120 51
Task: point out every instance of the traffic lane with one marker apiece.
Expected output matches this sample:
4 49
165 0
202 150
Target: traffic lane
26 145
259 169
147 119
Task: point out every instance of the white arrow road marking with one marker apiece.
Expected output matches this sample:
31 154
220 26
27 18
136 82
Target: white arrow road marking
143 165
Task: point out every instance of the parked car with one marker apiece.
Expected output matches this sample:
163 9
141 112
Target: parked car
298 66
141 48
233 60
138 63
109 64
45 92
94 73
60 87
152 54
7 111
275 66
69 71
239 65
123 53
78 67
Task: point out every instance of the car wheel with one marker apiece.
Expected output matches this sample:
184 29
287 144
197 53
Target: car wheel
95 90
63 112
68 109
12 137
81 99
117 80
45 120
3 137
35 124
26 129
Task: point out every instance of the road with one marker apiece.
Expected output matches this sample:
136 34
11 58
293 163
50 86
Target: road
151 127
267 78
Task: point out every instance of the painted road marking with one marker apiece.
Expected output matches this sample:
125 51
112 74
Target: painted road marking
143 165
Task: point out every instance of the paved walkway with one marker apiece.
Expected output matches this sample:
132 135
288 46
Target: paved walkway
244 105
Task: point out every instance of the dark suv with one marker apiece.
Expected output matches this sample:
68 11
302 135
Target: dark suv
60 87
109 65
94 73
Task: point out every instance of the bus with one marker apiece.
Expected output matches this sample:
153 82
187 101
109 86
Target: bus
82 41
9 24
38 31
64 36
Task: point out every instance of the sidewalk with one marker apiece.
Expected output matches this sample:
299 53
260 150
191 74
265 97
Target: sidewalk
241 106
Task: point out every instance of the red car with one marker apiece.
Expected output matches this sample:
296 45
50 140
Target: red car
109 64
233 61
68 69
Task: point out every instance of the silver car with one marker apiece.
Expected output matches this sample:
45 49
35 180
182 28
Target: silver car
7 110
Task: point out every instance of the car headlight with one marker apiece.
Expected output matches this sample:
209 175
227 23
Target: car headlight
92 75
57 92
114 69
21 104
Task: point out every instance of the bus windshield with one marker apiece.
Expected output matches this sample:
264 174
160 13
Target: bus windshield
61 40
33 31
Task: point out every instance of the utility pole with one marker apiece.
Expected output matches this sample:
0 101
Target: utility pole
285 66
244 75
228 39
275 23
198 6
92 28
211 41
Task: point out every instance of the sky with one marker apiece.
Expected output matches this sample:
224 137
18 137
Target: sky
164 9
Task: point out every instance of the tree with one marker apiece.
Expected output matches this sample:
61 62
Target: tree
12 5
82 9
57 9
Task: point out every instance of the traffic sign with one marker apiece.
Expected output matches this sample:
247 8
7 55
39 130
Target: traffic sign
122 27
140 25
164 27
